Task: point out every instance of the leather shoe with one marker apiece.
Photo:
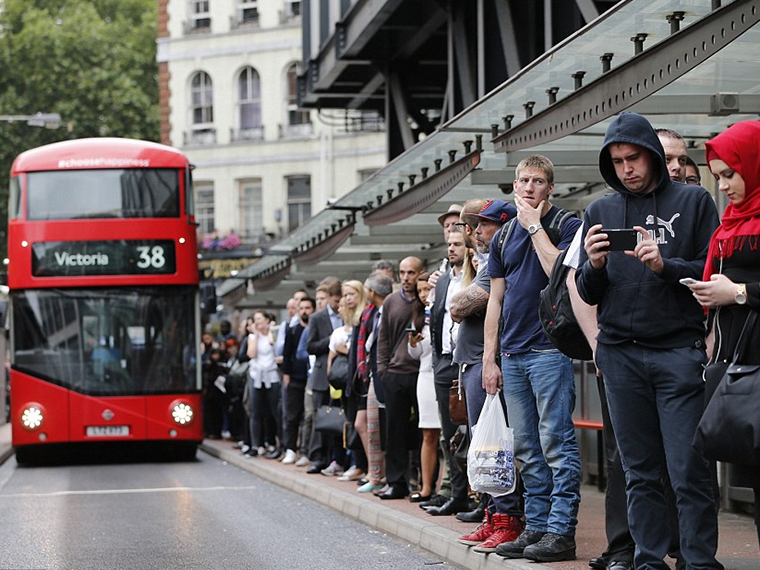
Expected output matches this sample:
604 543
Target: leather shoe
598 563
620 565
394 493
475 515
435 501
450 507
314 469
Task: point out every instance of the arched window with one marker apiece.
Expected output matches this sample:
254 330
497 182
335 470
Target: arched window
249 99
202 97
295 117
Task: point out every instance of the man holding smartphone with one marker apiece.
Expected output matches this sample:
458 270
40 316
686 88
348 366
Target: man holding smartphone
651 345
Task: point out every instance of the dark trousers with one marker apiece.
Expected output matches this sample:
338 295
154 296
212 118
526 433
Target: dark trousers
444 377
402 434
472 382
264 424
655 399
620 545
294 409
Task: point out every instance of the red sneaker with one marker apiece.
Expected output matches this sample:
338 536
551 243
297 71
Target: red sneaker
480 534
506 529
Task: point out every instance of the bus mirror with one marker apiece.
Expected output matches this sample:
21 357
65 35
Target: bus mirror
208 299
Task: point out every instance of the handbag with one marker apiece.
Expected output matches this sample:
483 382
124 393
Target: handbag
457 404
338 375
459 445
729 430
329 419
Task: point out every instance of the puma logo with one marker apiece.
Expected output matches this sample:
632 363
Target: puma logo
668 225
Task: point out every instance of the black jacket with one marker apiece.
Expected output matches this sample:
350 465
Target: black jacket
634 303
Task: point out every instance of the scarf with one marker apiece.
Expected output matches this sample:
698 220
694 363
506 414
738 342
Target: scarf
738 147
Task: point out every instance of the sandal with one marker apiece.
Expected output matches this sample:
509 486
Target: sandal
418 498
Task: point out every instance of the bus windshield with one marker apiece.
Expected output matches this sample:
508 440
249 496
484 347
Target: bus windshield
117 193
115 342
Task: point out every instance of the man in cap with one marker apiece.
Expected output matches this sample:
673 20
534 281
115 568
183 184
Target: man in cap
502 519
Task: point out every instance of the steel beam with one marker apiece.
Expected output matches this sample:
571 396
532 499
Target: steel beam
636 79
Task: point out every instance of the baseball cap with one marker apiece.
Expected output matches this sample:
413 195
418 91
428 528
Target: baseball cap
453 209
499 211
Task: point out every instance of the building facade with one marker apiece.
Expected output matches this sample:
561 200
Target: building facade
228 77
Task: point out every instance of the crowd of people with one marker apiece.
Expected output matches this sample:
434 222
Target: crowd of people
388 350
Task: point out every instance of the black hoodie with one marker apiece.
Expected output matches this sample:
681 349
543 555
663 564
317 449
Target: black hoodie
635 303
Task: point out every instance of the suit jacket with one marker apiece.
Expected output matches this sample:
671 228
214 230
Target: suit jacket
318 344
441 368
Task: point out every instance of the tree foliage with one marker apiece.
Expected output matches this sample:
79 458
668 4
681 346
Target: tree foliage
91 61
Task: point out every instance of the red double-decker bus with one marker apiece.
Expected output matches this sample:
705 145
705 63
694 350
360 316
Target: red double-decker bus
103 278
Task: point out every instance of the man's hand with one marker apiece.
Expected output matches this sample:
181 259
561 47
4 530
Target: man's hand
648 251
526 214
492 381
285 380
433 279
597 246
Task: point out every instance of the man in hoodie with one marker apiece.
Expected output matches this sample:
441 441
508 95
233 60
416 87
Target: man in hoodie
651 344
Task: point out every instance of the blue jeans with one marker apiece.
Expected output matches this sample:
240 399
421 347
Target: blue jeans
539 389
655 397
475 397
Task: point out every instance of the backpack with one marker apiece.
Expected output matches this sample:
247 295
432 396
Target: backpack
555 310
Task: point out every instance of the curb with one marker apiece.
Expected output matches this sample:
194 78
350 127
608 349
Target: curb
427 535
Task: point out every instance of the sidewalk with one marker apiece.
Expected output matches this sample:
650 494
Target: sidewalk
738 548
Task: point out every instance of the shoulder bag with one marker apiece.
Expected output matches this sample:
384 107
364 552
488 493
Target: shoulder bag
729 430
329 419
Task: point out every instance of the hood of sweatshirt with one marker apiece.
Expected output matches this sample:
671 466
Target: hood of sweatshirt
631 128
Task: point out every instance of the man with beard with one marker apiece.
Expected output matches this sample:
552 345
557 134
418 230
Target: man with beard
295 373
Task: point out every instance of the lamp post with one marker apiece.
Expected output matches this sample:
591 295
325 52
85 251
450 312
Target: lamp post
47 120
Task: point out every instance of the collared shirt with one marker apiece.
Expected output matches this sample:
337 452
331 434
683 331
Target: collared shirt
335 318
450 328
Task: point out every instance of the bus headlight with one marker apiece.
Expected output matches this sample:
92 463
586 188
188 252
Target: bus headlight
182 413
32 416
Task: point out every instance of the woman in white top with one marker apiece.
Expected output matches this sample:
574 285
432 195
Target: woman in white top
263 385
429 420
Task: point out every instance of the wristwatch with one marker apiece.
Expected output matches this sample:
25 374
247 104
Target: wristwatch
741 294
533 228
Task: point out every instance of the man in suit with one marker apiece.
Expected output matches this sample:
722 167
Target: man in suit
443 338
321 325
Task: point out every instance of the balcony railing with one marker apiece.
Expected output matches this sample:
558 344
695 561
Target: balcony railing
199 137
197 26
302 131
247 135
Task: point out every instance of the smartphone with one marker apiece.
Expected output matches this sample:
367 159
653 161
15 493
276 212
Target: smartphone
621 240
687 281
410 330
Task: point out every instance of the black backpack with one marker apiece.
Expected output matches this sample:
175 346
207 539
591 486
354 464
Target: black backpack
555 312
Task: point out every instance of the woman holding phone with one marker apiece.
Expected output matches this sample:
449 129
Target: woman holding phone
731 280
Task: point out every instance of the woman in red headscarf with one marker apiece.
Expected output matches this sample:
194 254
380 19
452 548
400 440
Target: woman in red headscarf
731 286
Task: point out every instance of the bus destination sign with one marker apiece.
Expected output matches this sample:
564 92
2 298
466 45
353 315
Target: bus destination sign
88 258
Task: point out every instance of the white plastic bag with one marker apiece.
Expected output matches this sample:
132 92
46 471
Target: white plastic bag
491 458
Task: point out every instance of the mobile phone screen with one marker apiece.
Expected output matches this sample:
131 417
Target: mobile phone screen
621 239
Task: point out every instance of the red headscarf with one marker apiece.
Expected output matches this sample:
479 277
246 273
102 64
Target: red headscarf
739 147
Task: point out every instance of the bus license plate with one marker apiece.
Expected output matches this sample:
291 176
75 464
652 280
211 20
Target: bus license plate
107 431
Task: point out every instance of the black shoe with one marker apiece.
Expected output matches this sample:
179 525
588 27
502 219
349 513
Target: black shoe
598 563
314 468
551 548
394 493
515 548
251 452
274 454
450 507
435 501
474 516
620 565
